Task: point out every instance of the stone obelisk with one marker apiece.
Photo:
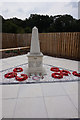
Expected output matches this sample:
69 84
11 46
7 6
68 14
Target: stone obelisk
35 57
35 47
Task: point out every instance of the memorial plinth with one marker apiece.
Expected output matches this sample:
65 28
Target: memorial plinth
35 57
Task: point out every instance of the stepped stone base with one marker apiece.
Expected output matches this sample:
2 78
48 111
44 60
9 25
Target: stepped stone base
35 64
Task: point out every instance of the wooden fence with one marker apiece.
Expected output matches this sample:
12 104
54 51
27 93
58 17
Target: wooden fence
15 40
66 45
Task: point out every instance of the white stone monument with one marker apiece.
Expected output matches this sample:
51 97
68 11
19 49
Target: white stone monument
35 57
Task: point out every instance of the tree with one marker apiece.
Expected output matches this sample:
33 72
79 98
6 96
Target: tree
9 27
44 23
27 30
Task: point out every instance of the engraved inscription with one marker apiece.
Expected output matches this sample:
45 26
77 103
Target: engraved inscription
31 64
35 57
35 63
38 63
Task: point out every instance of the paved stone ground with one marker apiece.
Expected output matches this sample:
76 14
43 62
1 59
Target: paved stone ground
42 100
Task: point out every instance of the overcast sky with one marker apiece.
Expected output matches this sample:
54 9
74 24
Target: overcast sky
23 9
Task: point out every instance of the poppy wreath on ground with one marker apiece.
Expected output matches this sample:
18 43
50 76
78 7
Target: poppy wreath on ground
35 78
76 74
10 75
57 75
18 69
55 69
22 78
65 72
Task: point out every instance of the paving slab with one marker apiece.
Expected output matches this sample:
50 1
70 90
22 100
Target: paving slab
10 91
52 89
8 107
30 108
30 90
60 107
